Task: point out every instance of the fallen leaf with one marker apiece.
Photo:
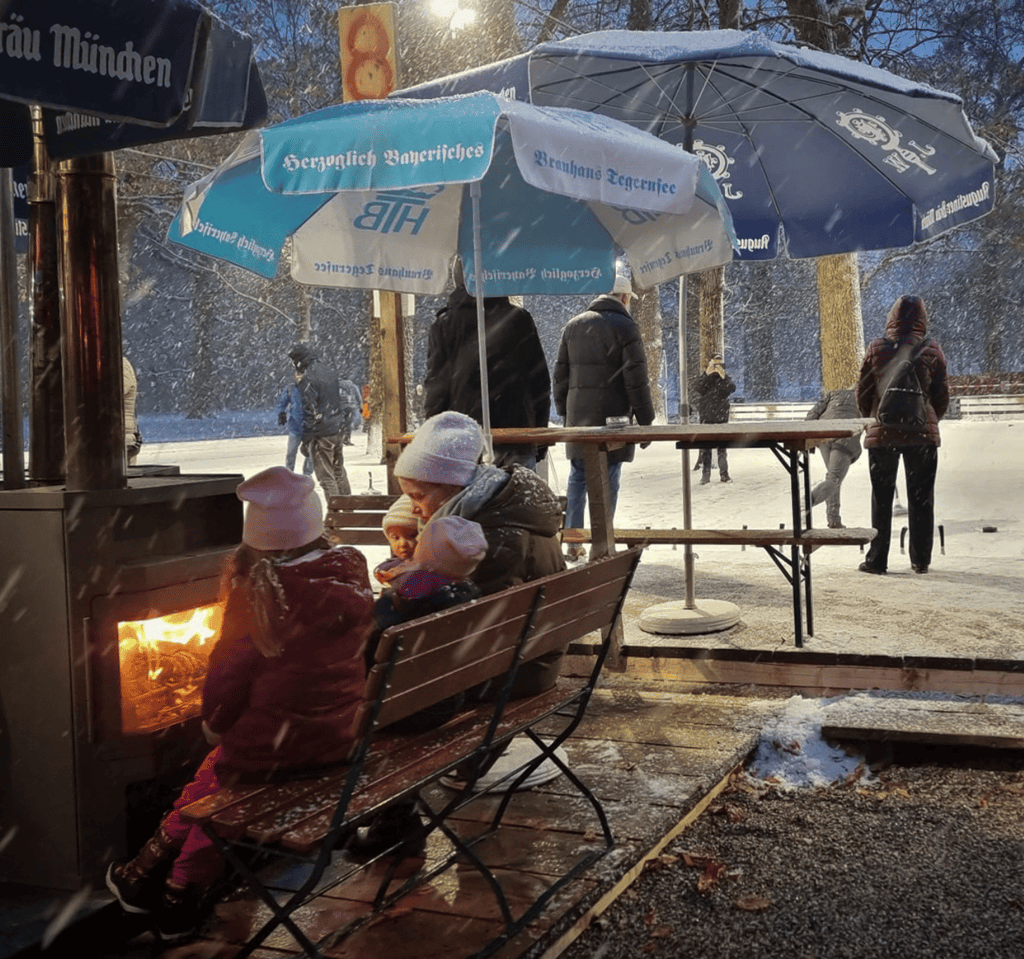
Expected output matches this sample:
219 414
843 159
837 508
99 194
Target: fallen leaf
753 903
590 836
660 863
651 917
649 946
662 931
709 878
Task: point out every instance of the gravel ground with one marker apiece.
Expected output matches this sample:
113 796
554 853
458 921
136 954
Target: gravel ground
925 860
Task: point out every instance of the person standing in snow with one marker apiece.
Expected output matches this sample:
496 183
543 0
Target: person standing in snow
601 372
517 370
839 455
322 420
713 388
352 403
907 322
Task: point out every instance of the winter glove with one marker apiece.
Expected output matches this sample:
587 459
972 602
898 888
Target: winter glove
282 418
644 446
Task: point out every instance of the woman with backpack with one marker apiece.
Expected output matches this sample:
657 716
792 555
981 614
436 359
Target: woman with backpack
903 386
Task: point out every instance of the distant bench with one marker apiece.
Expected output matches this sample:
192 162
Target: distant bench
356 520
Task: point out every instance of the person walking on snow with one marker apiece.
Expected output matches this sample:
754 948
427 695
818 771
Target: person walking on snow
289 414
839 455
322 420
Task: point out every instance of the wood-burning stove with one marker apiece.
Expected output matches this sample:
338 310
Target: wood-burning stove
108 603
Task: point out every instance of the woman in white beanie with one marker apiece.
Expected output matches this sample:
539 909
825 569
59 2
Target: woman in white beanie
520 517
283 686
441 472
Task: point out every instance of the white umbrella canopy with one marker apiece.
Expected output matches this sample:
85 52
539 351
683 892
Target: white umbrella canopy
383 194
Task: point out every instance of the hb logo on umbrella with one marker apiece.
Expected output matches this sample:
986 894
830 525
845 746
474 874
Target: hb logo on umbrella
393 210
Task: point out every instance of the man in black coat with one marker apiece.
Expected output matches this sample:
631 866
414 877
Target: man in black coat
517 370
601 371
322 420
713 388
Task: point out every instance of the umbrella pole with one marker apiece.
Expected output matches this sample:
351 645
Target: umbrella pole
684 418
481 327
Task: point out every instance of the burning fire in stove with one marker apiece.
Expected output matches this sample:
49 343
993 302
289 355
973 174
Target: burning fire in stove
163 665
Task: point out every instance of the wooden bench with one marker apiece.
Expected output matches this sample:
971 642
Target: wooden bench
418 664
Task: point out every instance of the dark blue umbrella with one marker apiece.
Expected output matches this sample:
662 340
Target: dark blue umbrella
839 155
116 73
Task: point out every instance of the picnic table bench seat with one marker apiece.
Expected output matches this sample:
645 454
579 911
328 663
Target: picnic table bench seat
809 539
418 664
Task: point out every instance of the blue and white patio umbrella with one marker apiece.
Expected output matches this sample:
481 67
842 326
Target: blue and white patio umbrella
824 153
382 194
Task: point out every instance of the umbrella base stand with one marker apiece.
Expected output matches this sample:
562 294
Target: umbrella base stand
675 619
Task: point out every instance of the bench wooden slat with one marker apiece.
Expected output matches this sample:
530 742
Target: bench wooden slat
367 521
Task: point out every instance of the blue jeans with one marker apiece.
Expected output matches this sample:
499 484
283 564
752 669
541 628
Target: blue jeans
576 492
294 439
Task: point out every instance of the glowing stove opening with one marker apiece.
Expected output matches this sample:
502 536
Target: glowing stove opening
163 666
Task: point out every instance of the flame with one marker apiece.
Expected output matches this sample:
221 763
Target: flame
191 624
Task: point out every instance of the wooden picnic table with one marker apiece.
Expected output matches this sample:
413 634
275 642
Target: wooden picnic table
790 441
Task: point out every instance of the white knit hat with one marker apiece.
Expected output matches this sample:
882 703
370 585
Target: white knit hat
445 449
450 545
282 510
400 514
623 280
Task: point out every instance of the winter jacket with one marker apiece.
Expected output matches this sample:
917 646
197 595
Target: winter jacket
713 392
520 518
296 709
517 370
291 403
931 371
601 371
321 397
839 405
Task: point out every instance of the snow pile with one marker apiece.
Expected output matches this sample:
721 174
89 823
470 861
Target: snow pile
791 752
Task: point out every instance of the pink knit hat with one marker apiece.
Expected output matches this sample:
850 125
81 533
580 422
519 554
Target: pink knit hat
282 510
450 545
445 449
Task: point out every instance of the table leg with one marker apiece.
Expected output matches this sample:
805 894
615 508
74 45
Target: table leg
599 500
602 531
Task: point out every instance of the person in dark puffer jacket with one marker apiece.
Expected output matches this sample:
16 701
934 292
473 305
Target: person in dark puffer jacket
601 372
907 322
517 370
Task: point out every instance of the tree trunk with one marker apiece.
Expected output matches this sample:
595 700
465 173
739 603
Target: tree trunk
712 314
646 313
842 326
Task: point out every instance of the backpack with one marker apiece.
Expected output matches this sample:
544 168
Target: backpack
903 404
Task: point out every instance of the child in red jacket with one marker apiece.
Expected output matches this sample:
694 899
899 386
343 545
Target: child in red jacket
283 685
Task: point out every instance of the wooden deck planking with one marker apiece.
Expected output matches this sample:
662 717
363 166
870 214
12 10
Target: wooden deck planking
651 761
